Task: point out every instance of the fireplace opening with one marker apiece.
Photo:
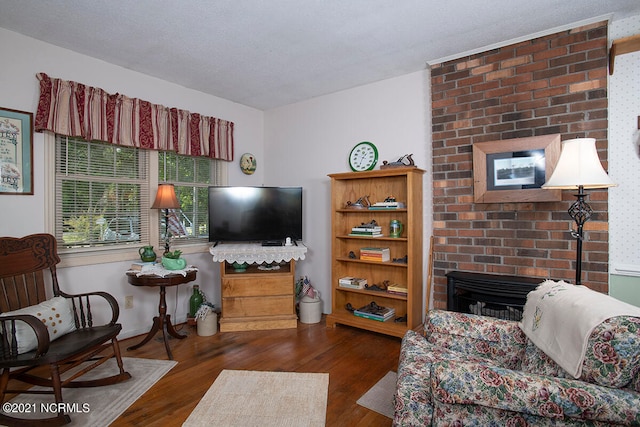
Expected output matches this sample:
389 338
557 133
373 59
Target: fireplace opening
489 294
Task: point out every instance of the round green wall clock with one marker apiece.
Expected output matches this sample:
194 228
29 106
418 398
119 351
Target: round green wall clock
363 157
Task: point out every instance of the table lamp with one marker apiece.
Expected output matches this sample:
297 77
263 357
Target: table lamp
579 168
166 199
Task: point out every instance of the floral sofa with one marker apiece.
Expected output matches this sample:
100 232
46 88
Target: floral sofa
472 370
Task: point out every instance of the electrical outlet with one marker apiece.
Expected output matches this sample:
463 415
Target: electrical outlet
128 301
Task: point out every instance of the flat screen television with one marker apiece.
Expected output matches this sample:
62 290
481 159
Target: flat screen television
255 214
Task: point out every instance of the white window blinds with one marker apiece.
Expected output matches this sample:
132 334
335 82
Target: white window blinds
102 196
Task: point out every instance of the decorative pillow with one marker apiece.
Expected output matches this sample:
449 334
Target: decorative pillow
613 352
563 319
55 313
612 357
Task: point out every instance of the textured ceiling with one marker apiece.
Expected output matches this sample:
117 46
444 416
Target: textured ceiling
269 53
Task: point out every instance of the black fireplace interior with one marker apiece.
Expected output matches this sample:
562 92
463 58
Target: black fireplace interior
489 294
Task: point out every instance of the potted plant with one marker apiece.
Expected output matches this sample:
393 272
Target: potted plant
172 260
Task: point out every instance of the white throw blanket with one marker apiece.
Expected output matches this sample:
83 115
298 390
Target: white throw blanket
559 318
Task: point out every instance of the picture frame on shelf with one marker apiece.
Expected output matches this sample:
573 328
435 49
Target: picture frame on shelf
16 152
513 170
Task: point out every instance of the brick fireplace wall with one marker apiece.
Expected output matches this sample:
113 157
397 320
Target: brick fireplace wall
556 84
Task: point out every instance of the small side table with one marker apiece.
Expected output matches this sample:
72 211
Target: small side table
162 322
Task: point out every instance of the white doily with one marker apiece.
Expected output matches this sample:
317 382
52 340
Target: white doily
160 271
256 253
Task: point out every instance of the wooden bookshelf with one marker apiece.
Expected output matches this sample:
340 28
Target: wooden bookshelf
405 184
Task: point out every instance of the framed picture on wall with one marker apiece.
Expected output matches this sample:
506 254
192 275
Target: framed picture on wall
16 152
513 170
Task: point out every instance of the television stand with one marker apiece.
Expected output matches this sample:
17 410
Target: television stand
250 307
272 243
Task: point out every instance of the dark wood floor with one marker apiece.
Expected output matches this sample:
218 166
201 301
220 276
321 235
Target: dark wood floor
355 360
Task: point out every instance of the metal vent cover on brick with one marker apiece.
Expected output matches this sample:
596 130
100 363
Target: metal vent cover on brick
489 294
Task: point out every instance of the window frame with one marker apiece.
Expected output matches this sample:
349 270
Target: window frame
71 257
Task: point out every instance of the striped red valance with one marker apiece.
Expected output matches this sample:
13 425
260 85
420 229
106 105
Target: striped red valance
73 109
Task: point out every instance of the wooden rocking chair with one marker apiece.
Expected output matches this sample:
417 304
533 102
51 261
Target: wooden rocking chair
24 263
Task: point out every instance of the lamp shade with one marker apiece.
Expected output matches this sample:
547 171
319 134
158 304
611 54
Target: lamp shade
166 198
579 165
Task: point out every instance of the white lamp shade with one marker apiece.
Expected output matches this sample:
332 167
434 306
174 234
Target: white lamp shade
579 165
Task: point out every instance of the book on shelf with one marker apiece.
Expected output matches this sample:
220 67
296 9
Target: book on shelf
387 205
397 289
366 228
375 254
352 282
375 231
366 231
375 312
374 250
370 317
374 317
350 286
373 258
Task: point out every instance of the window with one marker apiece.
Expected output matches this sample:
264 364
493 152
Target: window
191 177
101 195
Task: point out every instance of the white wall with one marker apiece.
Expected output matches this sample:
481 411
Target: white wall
21 215
308 140
624 168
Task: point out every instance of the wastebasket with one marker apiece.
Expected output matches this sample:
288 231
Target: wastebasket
310 310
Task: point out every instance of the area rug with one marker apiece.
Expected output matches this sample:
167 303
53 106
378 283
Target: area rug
379 398
100 406
260 398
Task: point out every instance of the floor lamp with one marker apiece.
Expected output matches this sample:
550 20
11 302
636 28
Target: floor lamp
579 168
166 199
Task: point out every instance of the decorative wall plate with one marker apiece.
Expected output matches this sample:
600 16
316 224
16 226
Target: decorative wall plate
248 163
